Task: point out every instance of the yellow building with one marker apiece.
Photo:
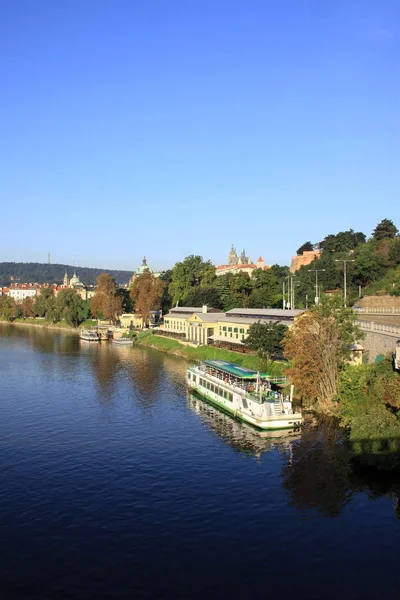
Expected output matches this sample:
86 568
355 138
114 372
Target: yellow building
136 321
205 327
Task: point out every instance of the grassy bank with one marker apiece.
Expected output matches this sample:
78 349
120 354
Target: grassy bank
39 323
207 352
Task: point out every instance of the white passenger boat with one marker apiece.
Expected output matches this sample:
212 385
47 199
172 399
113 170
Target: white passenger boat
89 335
245 394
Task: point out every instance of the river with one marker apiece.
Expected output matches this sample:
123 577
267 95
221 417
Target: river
117 483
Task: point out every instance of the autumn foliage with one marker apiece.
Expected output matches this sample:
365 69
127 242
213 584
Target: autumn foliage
317 345
107 302
147 292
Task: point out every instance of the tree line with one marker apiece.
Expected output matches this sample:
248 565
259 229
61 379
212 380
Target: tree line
54 273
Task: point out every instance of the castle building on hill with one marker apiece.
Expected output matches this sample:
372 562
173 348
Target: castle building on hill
240 264
304 259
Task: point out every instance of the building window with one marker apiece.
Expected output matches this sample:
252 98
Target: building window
235 330
224 329
229 328
242 331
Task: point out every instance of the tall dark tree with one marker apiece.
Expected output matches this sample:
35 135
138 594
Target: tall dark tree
384 230
191 272
266 338
70 307
209 295
304 248
44 302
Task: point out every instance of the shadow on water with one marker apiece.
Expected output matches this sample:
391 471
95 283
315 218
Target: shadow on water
318 468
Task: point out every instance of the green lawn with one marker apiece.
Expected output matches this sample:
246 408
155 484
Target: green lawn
172 346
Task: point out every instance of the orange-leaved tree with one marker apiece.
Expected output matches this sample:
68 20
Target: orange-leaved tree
106 302
318 345
147 292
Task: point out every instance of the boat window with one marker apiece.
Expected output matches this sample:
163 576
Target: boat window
230 397
244 402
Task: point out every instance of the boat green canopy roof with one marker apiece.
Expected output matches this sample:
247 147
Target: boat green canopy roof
235 370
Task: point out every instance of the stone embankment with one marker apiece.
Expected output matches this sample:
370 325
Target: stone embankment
379 318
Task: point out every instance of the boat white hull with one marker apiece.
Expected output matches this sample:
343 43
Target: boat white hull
234 407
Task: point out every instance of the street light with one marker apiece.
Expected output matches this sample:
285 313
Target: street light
344 273
292 291
316 271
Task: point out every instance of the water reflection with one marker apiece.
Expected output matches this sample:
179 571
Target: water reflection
318 476
317 471
240 436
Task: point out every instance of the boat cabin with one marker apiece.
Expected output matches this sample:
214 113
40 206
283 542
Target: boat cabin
251 382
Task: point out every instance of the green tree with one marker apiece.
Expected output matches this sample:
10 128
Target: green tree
44 302
8 308
344 241
385 230
192 272
266 289
305 247
27 307
209 295
394 253
166 301
266 338
70 307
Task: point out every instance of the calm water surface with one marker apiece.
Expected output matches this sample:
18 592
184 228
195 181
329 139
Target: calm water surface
116 483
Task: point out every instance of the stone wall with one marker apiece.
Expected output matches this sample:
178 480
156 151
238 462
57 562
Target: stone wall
375 344
379 302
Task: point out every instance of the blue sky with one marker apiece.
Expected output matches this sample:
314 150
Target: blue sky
176 127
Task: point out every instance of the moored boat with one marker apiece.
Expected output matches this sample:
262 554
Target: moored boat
89 335
245 394
122 341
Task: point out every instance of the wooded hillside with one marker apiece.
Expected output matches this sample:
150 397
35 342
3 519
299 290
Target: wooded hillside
49 273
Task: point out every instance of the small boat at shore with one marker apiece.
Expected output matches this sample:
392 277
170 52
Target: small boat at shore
122 341
105 335
245 394
89 335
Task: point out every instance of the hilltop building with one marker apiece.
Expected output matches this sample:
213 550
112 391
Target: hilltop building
240 264
304 259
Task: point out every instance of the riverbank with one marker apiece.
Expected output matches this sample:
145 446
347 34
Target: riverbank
172 346
61 326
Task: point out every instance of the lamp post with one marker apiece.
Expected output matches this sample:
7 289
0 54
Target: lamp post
316 271
344 274
283 295
292 291
286 303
